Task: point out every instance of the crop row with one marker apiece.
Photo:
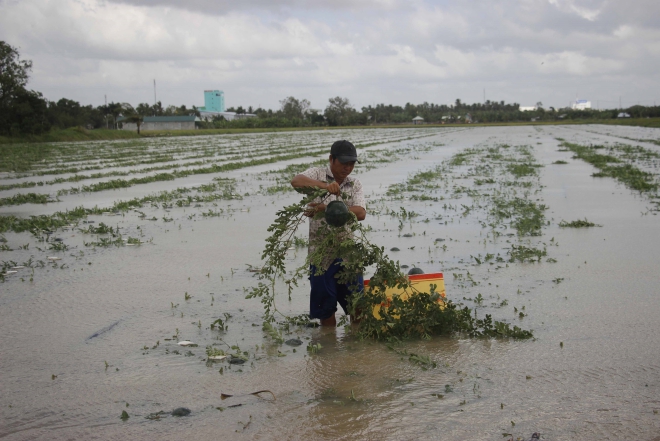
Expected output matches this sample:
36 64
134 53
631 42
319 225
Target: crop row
21 158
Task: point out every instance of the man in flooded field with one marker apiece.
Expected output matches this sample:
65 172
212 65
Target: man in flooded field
326 292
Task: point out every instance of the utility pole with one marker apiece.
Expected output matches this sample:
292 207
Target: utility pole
620 102
106 112
154 97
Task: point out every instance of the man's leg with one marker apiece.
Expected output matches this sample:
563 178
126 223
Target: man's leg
330 321
323 295
344 292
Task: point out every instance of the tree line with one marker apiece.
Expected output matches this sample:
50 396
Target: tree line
339 112
24 111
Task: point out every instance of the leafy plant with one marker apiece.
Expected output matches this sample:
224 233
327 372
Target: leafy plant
577 224
214 352
314 348
274 333
522 253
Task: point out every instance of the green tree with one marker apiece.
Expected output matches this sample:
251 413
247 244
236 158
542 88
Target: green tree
29 114
14 73
134 118
21 111
338 112
132 115
293 108
158 109
170 110
144 109
114 109
68 113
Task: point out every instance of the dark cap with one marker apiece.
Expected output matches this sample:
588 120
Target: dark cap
344 151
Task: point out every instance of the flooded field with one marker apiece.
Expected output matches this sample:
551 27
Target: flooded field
113 253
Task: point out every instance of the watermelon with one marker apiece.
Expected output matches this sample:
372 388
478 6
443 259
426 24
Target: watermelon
337 214
415 270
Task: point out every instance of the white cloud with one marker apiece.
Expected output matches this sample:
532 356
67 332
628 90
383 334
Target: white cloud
572 7
369 51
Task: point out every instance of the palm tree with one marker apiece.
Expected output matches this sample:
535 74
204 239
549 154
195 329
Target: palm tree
136 119
130 115
115 110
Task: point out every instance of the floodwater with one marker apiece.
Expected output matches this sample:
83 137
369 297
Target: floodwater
95 333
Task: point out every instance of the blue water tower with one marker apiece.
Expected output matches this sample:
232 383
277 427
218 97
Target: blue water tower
214 101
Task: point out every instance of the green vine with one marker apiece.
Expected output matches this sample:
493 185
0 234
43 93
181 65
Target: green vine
421 316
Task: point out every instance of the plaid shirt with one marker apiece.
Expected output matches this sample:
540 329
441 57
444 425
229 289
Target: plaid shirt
351 186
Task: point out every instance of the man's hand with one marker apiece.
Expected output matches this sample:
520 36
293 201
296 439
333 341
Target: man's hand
300 181
333 188
314 208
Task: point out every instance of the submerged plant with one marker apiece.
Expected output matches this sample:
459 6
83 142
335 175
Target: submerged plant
631 176
522 253
577 224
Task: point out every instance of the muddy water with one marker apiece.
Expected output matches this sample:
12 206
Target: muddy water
85 342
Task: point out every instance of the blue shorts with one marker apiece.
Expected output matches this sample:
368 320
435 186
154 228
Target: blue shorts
326 292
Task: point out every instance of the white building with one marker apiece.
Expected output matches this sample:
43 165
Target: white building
229 116
581 105
527 108
177 122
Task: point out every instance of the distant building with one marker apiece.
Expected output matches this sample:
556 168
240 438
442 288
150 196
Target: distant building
214 101
214 106
623 115
527 108
162 123
418 120
229 116
581 105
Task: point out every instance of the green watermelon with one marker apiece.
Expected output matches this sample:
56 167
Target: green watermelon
415 270
337 214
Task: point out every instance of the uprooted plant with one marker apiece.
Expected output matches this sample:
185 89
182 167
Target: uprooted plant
423 315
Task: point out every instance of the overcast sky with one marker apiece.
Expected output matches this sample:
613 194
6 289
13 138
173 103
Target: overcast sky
369 51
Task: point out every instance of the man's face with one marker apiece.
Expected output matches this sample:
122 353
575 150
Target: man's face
341 171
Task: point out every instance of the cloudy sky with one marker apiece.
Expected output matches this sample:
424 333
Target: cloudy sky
370 51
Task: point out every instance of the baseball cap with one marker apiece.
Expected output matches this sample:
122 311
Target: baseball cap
344 151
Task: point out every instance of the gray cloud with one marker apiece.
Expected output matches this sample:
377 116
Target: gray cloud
222 7
371 51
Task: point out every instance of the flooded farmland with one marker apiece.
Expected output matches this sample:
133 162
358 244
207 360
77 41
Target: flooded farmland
114 253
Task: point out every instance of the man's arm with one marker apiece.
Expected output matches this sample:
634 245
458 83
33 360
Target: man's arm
301 181
359 201
359 212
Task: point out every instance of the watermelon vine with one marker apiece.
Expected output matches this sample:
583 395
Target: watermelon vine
421 316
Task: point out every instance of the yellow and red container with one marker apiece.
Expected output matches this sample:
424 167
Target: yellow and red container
418 283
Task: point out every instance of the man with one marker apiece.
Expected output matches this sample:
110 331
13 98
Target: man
326 292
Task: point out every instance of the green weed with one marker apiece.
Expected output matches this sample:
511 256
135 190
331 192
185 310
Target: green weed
577 224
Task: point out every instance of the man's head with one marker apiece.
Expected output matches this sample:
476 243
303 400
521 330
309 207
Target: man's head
343 157
344 151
